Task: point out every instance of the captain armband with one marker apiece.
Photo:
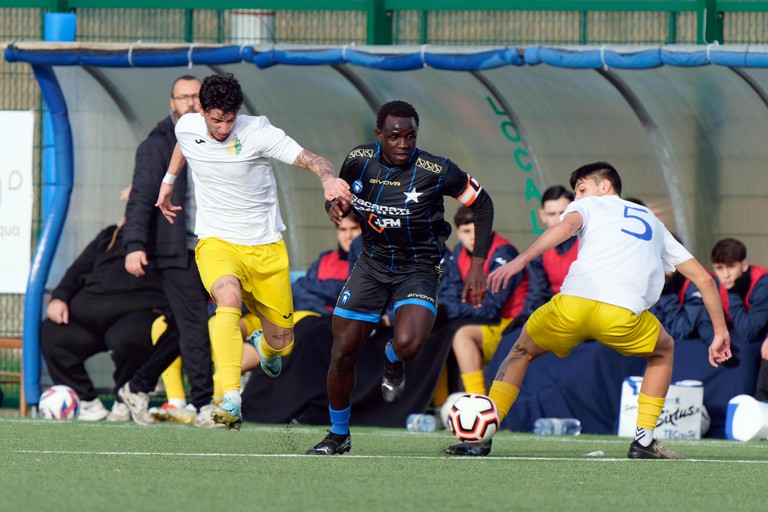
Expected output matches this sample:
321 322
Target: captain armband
470 193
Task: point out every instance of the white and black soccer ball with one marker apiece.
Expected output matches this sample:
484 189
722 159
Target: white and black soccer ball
445 409
59 403
473 418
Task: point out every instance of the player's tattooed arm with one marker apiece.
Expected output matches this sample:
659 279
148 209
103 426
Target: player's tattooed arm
333 187
316 164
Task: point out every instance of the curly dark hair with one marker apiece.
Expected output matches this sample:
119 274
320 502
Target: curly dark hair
221 92
396 108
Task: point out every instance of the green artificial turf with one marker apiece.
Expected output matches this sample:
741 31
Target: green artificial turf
77 466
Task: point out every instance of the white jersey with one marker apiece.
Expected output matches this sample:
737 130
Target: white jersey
624 251
234 185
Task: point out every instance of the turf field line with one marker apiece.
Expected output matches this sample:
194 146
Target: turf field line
442 435
350 456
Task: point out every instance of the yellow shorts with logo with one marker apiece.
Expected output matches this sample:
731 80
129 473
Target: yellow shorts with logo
565 321
262 270
492 338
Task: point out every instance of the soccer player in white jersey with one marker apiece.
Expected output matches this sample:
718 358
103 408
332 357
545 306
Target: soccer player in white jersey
618 274
241 254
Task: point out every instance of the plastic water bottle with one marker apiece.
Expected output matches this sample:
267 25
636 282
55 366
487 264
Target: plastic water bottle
557 427
421 423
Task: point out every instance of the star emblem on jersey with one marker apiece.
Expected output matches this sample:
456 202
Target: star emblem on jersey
412 196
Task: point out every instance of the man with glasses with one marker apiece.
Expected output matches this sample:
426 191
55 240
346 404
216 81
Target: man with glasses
167 250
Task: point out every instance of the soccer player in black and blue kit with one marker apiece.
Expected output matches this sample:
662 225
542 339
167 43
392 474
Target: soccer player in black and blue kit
398 194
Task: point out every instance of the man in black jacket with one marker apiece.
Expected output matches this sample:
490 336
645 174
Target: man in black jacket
168 251
96 307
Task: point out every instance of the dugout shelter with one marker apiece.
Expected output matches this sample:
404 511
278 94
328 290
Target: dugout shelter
684 125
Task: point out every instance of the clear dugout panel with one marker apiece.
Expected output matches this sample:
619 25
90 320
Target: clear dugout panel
568 118
713 124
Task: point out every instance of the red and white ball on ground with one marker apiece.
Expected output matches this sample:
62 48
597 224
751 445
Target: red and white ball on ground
59 403
474 418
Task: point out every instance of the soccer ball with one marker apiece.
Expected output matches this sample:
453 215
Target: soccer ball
445 409
474 418
59 403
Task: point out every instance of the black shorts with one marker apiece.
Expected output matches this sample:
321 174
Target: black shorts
371 286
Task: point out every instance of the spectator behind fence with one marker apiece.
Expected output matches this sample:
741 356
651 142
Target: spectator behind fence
167 250
97 307
474 344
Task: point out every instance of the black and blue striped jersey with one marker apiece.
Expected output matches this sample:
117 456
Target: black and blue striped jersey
401 209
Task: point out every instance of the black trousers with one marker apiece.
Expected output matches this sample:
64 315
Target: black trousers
187 335
761 392
120 325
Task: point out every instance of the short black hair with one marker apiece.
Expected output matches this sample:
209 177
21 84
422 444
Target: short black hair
598 171
554 193
396 108
729 250
221 92
464 215
182 77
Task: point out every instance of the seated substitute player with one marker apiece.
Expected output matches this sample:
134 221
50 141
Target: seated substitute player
744 293
319 288
474 344
398 196
97 307
619 273
241 254
547 271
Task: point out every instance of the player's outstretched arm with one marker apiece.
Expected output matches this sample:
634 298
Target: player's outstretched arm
552 237
166 187
474 283
720 348
333 187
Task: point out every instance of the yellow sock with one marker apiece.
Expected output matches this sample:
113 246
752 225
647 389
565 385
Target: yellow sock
503 395
172 380
270 352
474 382
648 411
218 394
441 389
227 347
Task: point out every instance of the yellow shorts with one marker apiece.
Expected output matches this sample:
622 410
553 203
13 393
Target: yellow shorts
492 338
262 270
565 321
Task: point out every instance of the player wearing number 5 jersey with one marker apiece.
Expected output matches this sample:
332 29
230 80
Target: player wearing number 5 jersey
618 274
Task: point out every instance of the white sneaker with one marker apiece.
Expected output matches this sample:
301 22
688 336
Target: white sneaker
204 419
92 410
120 412
138 403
